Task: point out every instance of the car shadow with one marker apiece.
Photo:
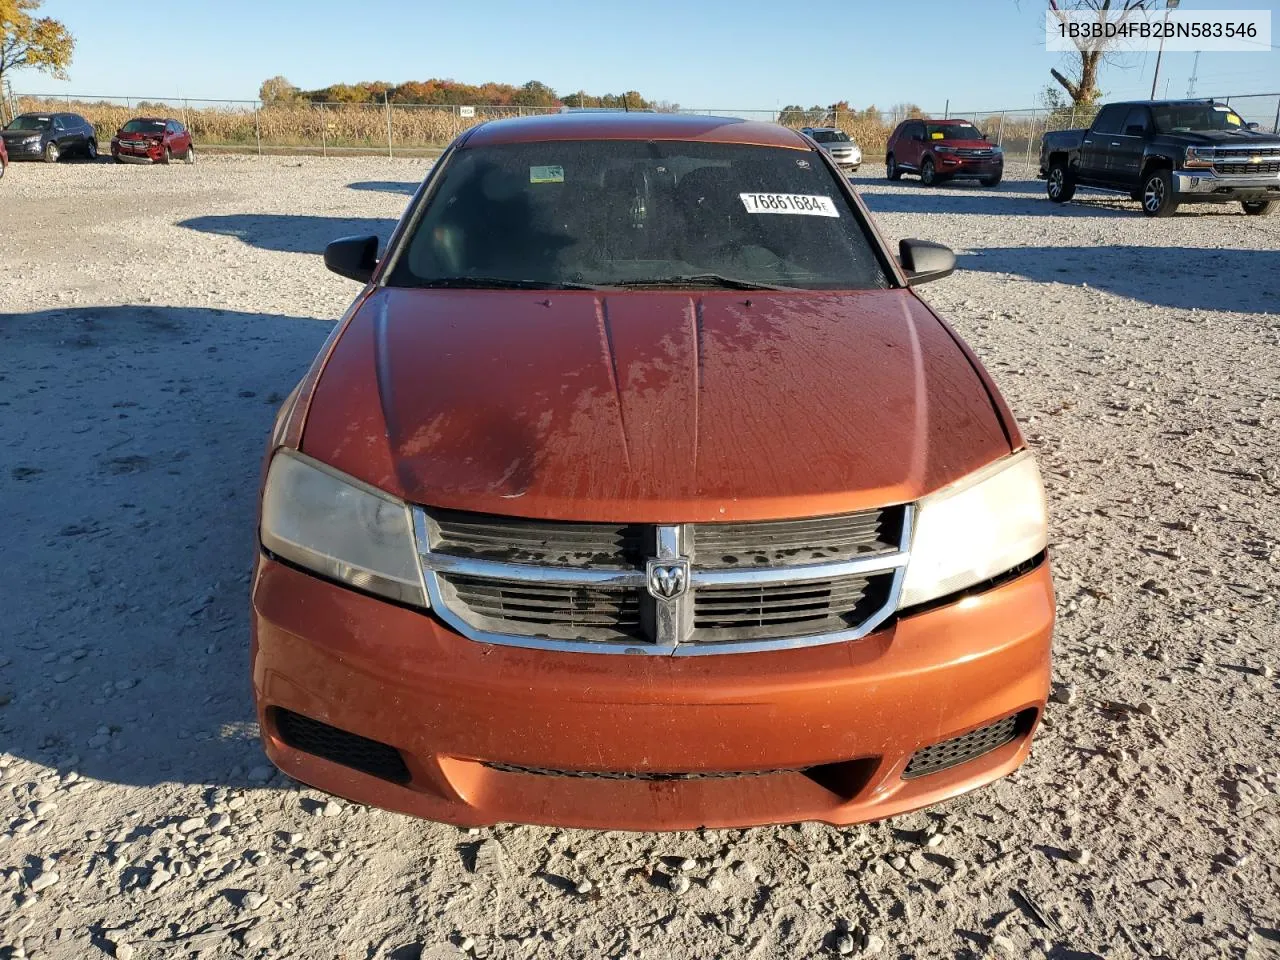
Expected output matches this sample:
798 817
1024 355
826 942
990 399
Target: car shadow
1234 279
134 437
408 188
287 232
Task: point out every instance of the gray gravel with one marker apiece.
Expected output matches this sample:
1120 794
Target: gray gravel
152 319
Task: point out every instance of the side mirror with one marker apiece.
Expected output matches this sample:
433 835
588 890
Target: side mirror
1253 125
924 261
352 257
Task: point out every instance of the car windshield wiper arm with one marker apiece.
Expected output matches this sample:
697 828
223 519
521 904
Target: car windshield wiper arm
700 279
501 283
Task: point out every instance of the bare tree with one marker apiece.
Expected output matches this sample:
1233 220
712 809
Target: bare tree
1081 79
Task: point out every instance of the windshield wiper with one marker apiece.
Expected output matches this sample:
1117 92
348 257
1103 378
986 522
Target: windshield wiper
500 283
700 279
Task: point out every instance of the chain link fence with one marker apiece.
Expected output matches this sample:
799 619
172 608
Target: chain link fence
425 129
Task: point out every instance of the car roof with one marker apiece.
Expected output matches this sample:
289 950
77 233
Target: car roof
634 126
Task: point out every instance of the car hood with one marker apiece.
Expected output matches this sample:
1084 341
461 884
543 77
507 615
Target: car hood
964 144
839 146
652 406
121 135
1226 138
12 135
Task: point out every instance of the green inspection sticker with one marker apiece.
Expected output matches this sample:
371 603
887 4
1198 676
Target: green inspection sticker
546 174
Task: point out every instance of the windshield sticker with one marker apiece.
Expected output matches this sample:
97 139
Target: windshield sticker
938 136
1221 109
546 174
796 204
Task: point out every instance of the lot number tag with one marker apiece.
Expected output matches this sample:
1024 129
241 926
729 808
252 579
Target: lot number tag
798 204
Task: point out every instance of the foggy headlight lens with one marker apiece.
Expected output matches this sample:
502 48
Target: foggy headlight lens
975 529
341 528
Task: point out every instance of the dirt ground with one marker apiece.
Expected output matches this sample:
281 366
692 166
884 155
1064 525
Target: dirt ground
152 319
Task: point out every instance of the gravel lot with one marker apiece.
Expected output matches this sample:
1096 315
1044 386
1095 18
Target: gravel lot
152 319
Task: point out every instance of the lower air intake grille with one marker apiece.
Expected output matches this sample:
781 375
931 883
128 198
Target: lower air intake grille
972 745
627 775
339 746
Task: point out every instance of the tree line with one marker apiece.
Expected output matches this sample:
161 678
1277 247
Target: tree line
278 90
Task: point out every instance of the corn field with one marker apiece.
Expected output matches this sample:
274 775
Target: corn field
374 127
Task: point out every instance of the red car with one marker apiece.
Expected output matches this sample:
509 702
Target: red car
4 159
152 140
639 490
941 150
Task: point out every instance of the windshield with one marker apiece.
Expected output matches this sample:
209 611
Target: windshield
953 131
613 212
143 126
30 123
1185 117
830 136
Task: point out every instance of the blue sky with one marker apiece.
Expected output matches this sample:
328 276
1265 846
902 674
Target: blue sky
709 54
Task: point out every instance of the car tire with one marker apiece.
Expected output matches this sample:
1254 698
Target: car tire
891 168
190 156
928 173
51 152
91 149
990 181
1259 208
168 156
1158 196
1059 183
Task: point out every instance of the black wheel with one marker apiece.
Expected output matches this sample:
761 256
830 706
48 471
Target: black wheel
51 152
190 156
1061 185
891 168
1259 208
928 173
168 155
990 181
1158 196
91 149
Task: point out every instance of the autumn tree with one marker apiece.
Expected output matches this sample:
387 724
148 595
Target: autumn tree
26 40
1081 77
277 90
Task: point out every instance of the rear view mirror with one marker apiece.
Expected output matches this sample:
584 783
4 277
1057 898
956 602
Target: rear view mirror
924 261
352 257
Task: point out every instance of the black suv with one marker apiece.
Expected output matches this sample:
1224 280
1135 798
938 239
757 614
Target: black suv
1164 153
49 137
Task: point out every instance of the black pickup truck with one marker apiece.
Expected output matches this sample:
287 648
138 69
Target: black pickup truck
1164 153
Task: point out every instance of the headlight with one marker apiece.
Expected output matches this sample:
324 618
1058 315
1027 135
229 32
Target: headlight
997 151
34 138
945 149
975 529
1199 157
341 528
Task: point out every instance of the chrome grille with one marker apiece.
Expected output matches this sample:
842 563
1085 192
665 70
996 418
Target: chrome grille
670 589
728 613
516 540
1245 167
561 611
793 542
974 152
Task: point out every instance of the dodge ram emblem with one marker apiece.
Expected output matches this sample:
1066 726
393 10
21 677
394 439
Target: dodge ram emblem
668 579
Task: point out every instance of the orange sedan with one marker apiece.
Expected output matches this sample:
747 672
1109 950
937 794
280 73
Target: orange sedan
638 490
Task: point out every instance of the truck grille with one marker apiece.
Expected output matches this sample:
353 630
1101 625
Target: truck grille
974 152
717 587
1245 167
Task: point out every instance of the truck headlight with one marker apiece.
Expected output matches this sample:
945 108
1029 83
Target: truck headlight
1199 157
975 529
341 528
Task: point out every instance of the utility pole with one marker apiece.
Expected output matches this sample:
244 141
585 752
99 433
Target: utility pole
1191 84
1168 5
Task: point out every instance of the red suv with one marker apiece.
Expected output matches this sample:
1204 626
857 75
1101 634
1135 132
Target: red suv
152 140
941 150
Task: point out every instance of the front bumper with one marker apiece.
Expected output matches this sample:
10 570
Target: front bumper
961 168
488 733
1197 185
23 151
134 158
